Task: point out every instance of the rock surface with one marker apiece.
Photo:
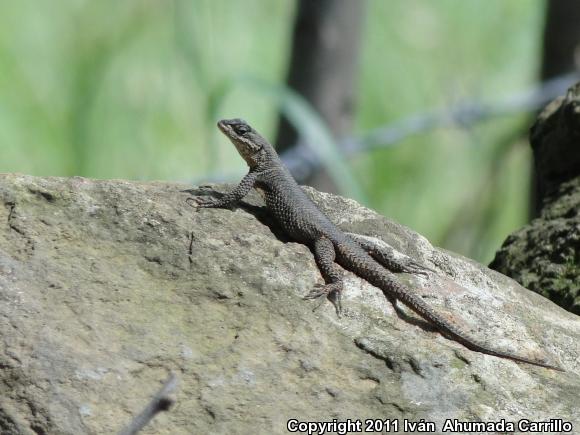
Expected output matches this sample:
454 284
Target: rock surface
107 286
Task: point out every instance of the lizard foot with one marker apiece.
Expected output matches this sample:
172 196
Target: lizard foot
413 267
201 201
334 293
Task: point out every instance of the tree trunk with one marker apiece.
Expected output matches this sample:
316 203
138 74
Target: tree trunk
544 256
325 45
560 55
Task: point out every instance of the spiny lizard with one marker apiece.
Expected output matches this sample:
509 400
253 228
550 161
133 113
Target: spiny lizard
304 222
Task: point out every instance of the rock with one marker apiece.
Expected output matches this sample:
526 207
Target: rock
107 286
555 140
544 256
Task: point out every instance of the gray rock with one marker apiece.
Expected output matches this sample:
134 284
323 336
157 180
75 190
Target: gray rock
107 286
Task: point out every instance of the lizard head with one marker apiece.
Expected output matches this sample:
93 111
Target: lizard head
251 146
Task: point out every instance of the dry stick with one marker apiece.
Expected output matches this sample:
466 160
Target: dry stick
302 161
160 402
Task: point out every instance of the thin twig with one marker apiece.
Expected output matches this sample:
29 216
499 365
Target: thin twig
160 402
302 161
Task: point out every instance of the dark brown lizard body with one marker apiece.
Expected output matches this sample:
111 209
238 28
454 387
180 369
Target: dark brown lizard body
304 222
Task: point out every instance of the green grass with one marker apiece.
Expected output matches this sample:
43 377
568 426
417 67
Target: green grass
132 90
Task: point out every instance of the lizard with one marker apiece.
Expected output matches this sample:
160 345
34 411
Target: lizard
305 223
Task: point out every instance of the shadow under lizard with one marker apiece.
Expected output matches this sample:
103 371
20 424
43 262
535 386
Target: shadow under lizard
304 222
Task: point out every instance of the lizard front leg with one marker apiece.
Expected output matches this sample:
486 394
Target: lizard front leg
230 198
386 257
324 254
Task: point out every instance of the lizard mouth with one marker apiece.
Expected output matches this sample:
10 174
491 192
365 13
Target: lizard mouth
223 126
230 125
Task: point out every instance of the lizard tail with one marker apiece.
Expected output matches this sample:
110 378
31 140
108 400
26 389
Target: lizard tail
454 331
392 287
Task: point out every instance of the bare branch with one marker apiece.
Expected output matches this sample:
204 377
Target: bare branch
160 402
302 161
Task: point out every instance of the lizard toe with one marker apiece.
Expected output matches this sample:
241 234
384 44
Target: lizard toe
317 291
416 268
333 291
324 290
201 202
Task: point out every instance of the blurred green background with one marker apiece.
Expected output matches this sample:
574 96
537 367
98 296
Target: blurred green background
132 90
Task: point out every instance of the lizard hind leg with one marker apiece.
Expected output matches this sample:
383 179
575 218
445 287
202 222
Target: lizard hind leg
325 255
386 257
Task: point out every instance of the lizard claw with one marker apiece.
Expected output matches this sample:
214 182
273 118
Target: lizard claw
334 293
201 201
415 268
316 292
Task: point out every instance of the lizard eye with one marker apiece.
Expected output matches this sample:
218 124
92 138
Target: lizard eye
241 129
